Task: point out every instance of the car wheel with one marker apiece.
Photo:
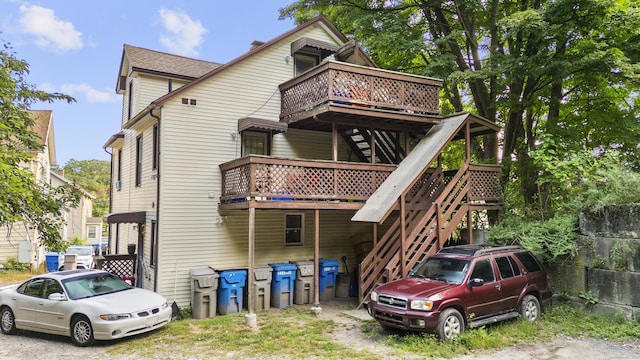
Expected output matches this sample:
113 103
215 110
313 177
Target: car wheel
81 331
7 321
450 324
530 308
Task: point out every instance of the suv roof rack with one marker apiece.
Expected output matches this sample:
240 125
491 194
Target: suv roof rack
480 249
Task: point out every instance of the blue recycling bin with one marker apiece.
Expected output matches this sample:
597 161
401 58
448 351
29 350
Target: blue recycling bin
327 283
230 291
52 259
282 284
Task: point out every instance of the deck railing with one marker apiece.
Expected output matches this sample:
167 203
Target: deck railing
268 178
349 84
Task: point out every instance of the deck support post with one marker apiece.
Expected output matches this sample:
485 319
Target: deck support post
403 236
316 263
250 319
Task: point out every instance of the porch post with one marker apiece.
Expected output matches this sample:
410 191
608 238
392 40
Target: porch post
250 318
372 144
139 269
403 236
316 263
334 140
467 139
375 234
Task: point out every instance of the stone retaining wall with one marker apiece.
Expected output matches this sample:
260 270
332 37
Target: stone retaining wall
609 241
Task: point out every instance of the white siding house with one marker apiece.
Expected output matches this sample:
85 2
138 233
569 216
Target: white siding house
186 121
21 240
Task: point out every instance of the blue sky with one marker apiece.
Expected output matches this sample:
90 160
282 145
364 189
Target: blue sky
75 47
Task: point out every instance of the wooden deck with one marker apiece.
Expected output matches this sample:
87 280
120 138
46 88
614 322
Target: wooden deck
276 183
355 95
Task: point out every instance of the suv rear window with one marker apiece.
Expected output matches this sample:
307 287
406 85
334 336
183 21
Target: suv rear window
507 267
528 261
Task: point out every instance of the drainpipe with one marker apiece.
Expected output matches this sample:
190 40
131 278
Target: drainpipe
110 202
157 234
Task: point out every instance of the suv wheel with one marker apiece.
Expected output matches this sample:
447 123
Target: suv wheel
530 308
450 324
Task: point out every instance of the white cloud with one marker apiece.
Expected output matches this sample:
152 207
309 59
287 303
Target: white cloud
49 31
182 35
92 95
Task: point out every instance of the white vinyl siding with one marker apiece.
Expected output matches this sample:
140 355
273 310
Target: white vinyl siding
195 140
131 198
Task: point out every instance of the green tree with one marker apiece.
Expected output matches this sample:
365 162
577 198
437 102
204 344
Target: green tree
22 198
566 68
93 176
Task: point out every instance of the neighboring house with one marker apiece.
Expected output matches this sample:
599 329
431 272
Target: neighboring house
22 241
78 222
298 149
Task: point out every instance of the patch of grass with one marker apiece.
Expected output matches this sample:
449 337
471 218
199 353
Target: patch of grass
558 320
293 332
14 276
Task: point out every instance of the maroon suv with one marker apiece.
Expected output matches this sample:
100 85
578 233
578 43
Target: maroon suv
463 286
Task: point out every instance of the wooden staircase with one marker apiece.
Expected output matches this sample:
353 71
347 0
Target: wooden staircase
432 210
387 145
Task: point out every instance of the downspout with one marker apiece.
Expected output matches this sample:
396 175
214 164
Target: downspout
110 201
157 234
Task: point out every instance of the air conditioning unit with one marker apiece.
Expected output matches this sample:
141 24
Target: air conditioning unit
118 185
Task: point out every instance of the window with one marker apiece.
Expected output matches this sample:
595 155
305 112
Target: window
139 160
294 229
92 232
304 63
529 262
155 147
52 287
119 175
32 287
130 108
482 270
154 251
255 143
170 85
507 267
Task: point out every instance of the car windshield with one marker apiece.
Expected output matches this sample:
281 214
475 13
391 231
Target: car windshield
79 251
441 269
94 285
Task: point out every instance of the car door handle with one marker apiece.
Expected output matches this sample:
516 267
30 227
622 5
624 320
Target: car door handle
498 286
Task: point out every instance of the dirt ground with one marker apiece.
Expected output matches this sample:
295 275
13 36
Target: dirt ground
29 345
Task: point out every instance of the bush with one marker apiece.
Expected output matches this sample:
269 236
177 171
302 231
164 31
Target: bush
12 263
549 240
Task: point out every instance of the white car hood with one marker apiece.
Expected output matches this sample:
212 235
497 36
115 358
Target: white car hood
131 300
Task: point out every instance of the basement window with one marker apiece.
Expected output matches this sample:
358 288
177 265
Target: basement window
294 230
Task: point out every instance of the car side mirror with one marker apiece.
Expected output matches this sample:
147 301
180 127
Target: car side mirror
476 282
57 297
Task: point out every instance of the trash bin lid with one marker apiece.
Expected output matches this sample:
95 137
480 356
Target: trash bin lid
283 266
328 262
262 273
203 272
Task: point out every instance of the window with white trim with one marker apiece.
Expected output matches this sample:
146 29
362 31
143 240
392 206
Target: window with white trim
294 230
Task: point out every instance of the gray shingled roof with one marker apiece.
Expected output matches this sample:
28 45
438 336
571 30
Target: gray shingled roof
145 60
41 124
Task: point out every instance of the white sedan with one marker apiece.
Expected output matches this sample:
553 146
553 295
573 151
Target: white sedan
87 305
